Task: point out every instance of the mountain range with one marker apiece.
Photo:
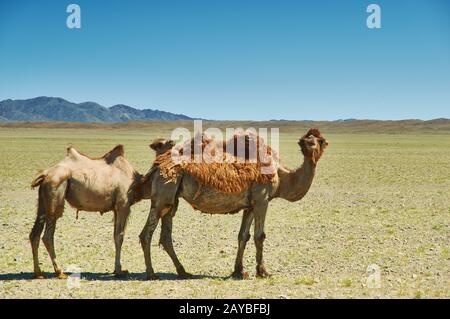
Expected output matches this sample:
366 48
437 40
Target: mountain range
49 109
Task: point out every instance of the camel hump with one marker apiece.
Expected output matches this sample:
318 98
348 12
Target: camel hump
72 152
109 157
116 152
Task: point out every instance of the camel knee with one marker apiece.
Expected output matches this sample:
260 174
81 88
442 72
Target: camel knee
259 238
245 237
34 239
142 237
147 232
38 227
36 232
118 237
47 239
145 237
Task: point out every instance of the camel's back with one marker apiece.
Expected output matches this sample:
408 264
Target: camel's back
111 169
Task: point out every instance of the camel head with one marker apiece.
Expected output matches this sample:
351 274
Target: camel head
161 145
313 144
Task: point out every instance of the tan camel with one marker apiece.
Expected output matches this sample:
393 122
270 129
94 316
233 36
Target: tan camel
88 184
225 188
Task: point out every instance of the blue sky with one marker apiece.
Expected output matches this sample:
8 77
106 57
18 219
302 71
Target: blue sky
233 59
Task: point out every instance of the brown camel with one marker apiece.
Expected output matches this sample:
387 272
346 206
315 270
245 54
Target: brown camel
226 188
88 184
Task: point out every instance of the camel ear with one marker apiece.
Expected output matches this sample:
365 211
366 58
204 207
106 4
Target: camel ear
155 145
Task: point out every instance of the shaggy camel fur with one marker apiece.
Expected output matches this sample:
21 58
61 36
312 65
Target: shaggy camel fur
89 184
223 169
222 193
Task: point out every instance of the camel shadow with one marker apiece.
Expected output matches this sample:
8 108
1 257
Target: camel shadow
92 276
98 276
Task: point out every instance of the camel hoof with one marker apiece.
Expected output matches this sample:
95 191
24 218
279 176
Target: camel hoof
262 273
152 277
61 275
239 275
185 275
121 274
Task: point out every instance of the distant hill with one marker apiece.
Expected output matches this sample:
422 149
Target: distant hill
50 109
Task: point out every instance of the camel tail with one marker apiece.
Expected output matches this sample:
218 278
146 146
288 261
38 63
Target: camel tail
38 223
38 180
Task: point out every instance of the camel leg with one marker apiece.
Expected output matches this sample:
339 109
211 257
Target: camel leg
120 219
167 242
146 239
35 235
48 240
54 209
260 236
243 238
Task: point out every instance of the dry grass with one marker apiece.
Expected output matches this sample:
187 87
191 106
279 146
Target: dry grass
346 126
377 199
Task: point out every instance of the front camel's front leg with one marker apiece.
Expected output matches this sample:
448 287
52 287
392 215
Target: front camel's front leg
146 239
260 215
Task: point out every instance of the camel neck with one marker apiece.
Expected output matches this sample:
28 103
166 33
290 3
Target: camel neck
295 184
137 189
